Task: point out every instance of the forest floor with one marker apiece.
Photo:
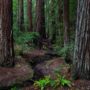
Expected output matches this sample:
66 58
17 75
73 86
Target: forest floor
43 63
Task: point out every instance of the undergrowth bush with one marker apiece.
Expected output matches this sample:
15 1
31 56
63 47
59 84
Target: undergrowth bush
24 42
26 37
63 51
47 81
14 88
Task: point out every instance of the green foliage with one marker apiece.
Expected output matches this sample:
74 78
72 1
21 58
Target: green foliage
26 37
14 88
18 49
63 51
24 41
42 83
62 81
47 81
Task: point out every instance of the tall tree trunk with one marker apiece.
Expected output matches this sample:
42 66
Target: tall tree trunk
0 33
0 7
47 18
40 13
7 58
53 22
60 10
29 3
81 60
66 21
60 21
21 15
0 18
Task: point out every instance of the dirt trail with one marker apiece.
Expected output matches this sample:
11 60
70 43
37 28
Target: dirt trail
39 60
43 63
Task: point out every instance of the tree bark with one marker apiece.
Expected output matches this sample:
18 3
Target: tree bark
81 60
7 52
0 33
60 11
40 15
66 21
53 22
29 3
21 15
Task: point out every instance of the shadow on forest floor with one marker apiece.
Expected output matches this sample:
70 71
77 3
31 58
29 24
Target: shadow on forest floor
43 63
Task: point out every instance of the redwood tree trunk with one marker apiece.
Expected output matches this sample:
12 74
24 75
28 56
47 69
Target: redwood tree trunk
81 60
0 7
66 21
0 33
40 27
29 3
60 10
53 22
7 58
60 20
0 16
21 15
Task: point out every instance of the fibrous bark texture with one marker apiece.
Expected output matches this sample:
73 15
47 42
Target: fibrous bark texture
29 3
21 15
6 42
40 26
40 18
66 22
82 43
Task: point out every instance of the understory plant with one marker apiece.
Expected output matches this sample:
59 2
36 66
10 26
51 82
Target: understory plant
65 52
47 81
42 83
14 88
25 42
61 80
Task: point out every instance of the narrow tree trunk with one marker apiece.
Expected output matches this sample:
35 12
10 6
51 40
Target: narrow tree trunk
7 58
0 15
60 21
0 18
53 22
81 60
47 18
21 15
66 22
0 34
0 7
40 13
60 10
29 3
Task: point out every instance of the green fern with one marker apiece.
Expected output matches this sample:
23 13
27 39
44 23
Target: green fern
42 83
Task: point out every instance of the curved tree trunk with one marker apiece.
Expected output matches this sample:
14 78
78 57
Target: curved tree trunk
81 60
